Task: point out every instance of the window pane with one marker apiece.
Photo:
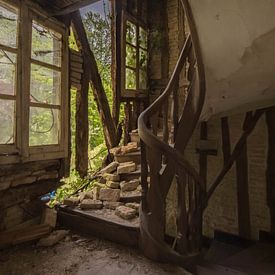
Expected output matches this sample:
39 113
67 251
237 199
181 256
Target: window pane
142 38
142 59
131 56
8 25
7 72
131 82
45 85
44 126
46 45
142 80
7 119
131 33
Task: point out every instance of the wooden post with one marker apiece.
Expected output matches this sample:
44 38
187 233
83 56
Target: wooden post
116 7
226 145
82 124
243 194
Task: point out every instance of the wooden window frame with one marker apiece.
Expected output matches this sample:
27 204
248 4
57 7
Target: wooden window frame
21 151
132 93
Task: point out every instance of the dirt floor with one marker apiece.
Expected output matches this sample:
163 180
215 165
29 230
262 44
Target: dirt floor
79 255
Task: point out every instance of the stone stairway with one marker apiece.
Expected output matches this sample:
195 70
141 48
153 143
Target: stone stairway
111 208
223 258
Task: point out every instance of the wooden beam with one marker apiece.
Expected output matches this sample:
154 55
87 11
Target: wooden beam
74 7
116 58
203 156
226 145
109 129
243 194
82 124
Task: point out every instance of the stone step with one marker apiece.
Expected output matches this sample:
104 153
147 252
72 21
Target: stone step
134 136
133 156
131 176
131 196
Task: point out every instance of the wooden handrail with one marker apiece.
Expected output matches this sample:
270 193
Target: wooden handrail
146 135
167 161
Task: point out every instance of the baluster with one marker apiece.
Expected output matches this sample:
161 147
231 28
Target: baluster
155 199
175 109
128 121
182 220
165 123
144 176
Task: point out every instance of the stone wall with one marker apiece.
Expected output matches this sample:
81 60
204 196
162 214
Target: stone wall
21 185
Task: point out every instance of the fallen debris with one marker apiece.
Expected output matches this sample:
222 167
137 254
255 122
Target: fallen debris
91 204
110 168
13 237
129 186
49 217
125 212
126 167
112 204
53 238
108 194
111 177
73 201
112 184
133 205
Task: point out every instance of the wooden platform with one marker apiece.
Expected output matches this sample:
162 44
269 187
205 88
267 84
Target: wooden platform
100 223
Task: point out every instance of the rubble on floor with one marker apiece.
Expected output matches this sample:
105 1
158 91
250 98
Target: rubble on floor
119 187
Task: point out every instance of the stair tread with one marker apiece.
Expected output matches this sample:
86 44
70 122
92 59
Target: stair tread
257 259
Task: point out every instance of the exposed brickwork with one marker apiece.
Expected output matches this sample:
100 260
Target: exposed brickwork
221 213
20 185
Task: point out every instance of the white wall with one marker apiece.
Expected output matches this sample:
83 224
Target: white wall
237 38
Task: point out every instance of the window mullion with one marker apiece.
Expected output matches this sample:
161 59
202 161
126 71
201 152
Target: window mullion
24 74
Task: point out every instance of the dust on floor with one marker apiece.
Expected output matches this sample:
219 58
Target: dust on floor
82 256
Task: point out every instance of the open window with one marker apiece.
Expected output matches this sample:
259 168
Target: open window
134 58
33 85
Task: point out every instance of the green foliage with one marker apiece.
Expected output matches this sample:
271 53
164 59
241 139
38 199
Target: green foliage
70 186
99 36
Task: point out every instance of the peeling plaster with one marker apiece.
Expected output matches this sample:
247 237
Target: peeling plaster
237 39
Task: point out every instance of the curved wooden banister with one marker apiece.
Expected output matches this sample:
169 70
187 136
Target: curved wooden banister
164 161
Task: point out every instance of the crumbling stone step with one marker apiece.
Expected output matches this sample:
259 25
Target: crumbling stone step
134 156
131 176
131 196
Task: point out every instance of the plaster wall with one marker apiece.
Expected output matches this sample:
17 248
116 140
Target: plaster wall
237 41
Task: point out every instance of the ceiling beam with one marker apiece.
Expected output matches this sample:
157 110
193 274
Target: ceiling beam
74 7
